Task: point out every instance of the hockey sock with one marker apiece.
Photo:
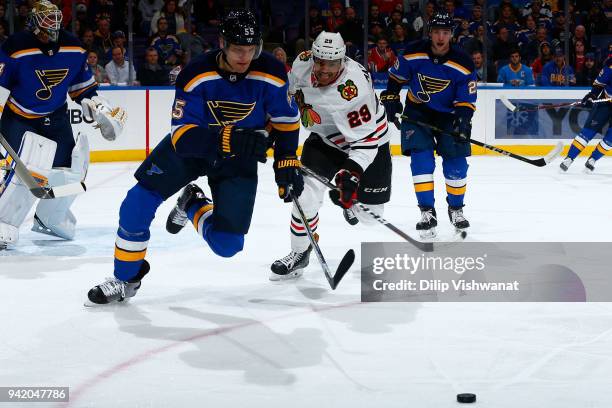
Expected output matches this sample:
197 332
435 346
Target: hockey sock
198 213
604 147
423 164
455 173
580 142
135 217
299 238
225 244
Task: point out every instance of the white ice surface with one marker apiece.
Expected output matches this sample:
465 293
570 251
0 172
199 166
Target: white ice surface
210 332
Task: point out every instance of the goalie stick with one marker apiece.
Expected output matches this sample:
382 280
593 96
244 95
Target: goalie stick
541 162
423 246
513 108
345 263
43 192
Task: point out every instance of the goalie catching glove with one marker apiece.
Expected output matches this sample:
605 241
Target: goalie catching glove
111 121
347 182
287 173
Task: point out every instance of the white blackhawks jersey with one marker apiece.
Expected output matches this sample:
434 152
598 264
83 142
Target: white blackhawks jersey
345 114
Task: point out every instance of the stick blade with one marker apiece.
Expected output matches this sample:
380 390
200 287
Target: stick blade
343 267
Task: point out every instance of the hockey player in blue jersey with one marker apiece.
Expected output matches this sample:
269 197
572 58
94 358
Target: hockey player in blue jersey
600 115
223 101
441 91
38 68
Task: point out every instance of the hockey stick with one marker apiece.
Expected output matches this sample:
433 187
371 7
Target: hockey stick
513 108
423 246
541 162
40 191
345 263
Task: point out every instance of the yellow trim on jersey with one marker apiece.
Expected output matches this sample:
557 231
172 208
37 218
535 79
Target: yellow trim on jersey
466 104
455 190
76 93
19 112
128 256
413 98
416 55
260 74
21 53
601 149
72 49
421 187
286 127
458 67
178 133
396 78
198 77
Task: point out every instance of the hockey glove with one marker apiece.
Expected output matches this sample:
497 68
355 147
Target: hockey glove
111 121
347 181
393 105
463 128
593 94
243 142
287 173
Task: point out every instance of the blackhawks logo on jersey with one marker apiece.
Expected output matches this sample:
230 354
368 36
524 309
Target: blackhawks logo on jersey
308 116
348 90
228 112
430 85
49 78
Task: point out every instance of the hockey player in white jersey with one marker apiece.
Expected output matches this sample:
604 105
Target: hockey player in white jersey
349 142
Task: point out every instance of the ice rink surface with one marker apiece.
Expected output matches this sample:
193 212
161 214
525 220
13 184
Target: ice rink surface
210 332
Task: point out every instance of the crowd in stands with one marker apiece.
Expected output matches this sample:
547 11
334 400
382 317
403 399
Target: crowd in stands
521 43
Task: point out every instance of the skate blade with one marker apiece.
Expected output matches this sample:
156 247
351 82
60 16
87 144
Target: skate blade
588 171
428 235
274 277
89 304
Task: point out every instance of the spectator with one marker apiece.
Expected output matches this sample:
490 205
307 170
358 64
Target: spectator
476 18
151 73
376 30
478 60
102 39
87 39
462 33
386 6
280 54
476 43
96 69
192 43
118 41
176 22
352 28
147 9
578 56
374 15
589 71
167 45
119 70
526 36
316 26
336 18
515 73
507 19
421 23
597 21
558 30
544 57
532 49
399 41
501 48
580 35
208 12
381 57
555 71
21 19
81 18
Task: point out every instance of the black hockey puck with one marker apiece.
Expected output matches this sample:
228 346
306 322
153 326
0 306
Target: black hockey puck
466 398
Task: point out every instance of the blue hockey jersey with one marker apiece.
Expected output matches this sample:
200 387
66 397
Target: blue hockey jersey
604 79
443 84
39 76
206 99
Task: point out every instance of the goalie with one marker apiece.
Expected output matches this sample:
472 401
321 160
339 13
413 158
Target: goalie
38 67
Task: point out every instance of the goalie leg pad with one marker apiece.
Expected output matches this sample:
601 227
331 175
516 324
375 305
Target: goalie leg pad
53 217
16 200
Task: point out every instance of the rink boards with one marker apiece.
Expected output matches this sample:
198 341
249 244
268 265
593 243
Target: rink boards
527 133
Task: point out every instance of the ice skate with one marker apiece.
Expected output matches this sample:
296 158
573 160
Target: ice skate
177 218
114 290
292 266
455 214
566 163
589 166
428 223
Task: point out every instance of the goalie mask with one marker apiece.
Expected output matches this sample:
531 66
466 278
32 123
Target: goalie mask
45 17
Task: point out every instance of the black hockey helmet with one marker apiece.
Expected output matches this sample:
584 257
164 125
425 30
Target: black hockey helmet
239 27
441 20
